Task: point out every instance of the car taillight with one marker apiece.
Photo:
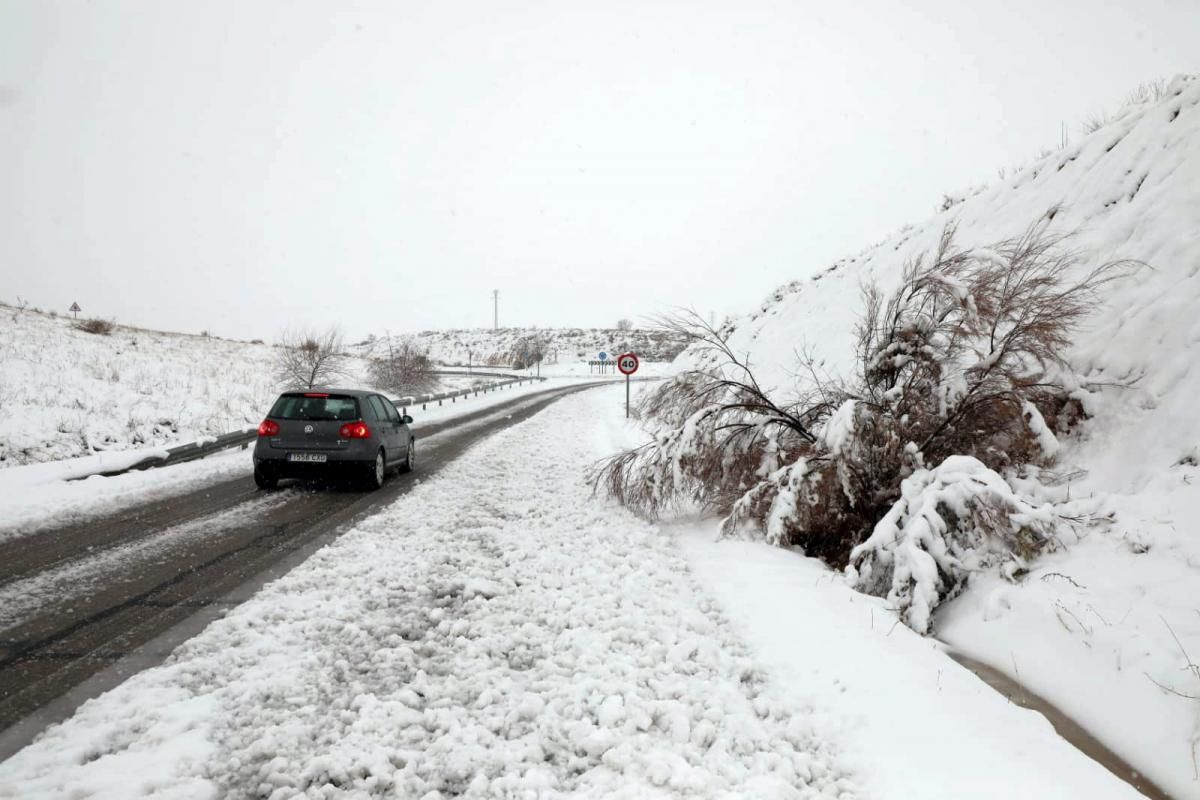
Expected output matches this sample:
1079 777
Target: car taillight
268 428
355 430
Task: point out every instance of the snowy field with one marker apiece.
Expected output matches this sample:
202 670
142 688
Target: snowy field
65 393
1108 627
498 634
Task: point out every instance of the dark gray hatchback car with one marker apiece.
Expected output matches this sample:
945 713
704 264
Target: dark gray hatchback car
330 433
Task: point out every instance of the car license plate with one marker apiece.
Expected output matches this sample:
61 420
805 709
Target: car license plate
312 458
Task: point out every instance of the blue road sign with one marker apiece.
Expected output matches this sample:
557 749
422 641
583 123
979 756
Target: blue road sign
603 356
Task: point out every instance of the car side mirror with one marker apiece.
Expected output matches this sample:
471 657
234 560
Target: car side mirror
406 419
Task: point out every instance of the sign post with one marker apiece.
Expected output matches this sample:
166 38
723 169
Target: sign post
628 364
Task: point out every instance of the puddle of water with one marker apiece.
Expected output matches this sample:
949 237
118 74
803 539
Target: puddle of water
1066 727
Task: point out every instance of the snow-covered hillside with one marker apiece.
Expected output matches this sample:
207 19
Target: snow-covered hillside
67 393
1103 627
560 345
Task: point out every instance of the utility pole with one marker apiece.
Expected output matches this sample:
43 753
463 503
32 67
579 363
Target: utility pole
495 309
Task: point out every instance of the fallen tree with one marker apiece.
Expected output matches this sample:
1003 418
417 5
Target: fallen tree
900 472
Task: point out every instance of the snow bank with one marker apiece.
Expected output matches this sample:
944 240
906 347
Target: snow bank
493 633
38 495
1129 190
1107 628
912 722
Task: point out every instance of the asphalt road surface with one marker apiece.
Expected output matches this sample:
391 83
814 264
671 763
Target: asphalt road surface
101 593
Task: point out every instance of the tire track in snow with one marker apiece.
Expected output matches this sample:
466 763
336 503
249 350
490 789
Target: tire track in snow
88 572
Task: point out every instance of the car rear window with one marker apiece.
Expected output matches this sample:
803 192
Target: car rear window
377 407
335 407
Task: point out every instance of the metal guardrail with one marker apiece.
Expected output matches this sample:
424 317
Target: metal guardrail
475 373
424 400
184 452
205 447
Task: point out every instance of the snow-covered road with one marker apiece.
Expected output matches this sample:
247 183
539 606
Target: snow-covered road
496 632
500 632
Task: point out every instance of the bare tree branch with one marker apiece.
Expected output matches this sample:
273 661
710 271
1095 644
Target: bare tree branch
307 358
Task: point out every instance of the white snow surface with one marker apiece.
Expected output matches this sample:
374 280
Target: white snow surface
65 393
1108 629
912 722
497 632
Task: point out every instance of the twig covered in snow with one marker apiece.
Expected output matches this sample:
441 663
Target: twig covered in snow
949 522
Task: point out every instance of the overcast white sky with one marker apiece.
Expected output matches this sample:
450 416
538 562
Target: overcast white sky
247 166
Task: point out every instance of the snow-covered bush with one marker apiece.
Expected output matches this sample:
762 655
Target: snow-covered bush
949 522
717 436
98 326
400 365
962 364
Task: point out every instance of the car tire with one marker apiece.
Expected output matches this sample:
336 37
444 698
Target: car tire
376 471
410 458
264 479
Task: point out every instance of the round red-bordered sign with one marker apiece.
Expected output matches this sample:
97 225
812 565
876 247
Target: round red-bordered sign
627 363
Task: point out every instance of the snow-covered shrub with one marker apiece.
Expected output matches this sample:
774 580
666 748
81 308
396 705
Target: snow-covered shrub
964 360
400 365
717 436
950 521
98 326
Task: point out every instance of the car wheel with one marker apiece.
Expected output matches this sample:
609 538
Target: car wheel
264 479
376 471
410 460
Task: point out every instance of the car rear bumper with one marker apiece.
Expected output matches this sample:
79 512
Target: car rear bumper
282 468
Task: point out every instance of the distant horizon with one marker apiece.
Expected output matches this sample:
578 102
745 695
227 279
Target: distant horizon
83 315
